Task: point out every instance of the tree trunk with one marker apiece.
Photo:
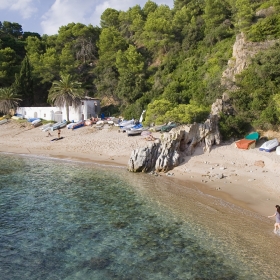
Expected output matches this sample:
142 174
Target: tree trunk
67 111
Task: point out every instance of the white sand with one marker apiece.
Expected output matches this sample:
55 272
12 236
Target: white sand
245 184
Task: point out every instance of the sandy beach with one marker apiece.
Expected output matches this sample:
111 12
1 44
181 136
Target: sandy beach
226 172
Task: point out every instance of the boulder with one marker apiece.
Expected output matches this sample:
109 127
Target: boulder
168 152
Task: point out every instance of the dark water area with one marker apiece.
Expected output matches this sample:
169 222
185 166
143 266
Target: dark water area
68 220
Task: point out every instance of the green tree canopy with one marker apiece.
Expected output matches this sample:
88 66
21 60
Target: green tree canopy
12 28
24 83
158 33
110 41
110 18
9 65
129 61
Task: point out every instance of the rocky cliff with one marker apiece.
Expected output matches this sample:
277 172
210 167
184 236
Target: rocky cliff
243 52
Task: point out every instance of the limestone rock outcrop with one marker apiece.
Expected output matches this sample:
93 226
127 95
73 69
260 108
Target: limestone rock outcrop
242 53
144 159
167 153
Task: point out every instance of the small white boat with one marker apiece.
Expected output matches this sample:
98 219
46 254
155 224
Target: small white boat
78 124
3 121
156 128
131 132
278 151
47 125
127 127
126 123
71 125
58 125
136 130
47 128
110 122
16 118
270 145
35 121
100 122
38 123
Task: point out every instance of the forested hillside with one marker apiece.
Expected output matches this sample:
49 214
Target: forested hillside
166 61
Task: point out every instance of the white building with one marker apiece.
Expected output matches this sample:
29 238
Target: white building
90 107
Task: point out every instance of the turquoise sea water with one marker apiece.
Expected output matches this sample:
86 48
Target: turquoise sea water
68 220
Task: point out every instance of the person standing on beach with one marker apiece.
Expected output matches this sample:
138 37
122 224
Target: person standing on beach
58 133
277 215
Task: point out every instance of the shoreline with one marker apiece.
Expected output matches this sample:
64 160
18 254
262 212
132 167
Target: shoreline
243 184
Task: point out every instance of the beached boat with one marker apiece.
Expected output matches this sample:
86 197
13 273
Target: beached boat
35 122
168 127
253 136
111 122
126 123
46 127
3 121
59 125
16 118
78 125
245 144
2 118
270 145
133 132
127 127
32 119
156 128
136 130
71 125
101 122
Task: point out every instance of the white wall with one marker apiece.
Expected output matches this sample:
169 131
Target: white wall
46 113
88 108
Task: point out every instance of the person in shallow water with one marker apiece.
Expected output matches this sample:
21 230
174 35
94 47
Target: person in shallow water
277 219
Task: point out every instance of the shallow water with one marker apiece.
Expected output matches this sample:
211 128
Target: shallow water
68 220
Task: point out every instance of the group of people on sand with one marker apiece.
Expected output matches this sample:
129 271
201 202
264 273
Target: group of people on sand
277 219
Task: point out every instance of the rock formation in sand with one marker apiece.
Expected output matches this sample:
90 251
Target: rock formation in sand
168 152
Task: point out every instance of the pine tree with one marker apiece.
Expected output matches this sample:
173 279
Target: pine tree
24 83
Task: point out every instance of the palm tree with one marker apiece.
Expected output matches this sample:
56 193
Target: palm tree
8 100
66 92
